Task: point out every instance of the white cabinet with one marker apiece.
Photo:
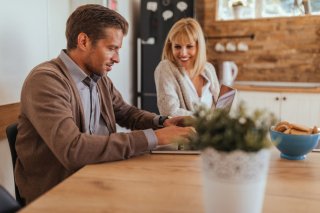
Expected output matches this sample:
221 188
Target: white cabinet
302 108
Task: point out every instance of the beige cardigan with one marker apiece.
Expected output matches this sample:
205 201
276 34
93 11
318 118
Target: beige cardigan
51 143
173 96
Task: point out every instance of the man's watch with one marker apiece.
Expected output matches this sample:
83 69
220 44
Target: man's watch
162 119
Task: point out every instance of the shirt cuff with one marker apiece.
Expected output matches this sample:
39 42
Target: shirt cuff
156 121
151 138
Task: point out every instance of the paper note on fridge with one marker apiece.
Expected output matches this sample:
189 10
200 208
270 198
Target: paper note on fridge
226 97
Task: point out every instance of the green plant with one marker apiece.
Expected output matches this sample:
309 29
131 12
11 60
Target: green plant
224 132
235 3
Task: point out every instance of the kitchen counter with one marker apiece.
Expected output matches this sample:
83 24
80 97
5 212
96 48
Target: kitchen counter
290 87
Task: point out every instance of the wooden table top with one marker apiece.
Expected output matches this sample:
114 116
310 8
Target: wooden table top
172 183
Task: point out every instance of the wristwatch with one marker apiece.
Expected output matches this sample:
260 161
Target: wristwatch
162 119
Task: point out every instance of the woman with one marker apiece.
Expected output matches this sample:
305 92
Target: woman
184 77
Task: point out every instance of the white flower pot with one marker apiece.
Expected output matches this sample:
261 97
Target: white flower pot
237 12
234 182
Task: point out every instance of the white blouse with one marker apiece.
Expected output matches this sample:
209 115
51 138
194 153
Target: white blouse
206 95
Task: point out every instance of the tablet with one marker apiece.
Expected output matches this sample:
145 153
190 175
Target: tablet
173 149
226 97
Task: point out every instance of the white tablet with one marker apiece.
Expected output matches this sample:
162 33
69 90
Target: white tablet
226 97
173 149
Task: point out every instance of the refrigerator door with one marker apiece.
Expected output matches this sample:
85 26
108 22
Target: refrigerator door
156 19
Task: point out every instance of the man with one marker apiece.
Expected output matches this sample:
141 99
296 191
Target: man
69 108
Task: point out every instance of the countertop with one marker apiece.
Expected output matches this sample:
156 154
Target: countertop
291 87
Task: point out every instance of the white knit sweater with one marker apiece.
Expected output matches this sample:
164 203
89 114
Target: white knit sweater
173 95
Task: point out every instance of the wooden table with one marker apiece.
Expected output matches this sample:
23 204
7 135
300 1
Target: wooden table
172 183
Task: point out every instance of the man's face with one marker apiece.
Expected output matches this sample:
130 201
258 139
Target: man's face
104 53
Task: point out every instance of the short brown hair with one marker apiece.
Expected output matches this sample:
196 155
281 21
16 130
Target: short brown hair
92 19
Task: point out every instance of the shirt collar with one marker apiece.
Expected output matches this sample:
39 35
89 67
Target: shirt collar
203 74
77 74
205 77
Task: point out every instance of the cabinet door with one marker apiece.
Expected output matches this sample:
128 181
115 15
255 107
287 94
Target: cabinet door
260 100
302 108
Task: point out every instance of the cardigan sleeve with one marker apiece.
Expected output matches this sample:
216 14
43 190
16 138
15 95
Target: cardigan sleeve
168 89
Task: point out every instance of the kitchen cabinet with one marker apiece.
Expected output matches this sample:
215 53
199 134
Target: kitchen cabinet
302 108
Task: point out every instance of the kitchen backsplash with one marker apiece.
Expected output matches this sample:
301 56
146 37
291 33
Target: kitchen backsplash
278 49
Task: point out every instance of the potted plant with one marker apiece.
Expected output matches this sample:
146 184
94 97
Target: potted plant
235 157
237 6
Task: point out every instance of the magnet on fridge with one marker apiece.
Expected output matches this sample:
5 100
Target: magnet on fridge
182 6
153 6
167 14
150 41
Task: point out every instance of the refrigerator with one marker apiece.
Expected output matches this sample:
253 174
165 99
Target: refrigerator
156 19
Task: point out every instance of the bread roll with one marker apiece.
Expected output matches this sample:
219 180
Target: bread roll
300 127
315 130
298 132
282 127
295 129
287 131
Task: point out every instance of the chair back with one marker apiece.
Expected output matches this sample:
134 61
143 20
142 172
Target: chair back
7 203
12 131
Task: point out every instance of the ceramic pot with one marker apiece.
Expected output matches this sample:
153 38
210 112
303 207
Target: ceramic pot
234 181
237 12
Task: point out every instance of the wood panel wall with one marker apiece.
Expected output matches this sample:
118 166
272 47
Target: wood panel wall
283 49
8 115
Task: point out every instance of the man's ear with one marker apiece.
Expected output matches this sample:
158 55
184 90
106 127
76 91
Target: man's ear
83 41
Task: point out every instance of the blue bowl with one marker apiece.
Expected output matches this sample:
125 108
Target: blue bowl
294 147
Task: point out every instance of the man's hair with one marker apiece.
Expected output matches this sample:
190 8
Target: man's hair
93 19
187 30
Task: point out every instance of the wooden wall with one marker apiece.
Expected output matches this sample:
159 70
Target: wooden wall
283 49
8 115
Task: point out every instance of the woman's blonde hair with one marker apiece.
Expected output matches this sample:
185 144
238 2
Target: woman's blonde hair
187 30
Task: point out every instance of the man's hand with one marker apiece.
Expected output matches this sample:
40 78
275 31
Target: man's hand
177 121
172 134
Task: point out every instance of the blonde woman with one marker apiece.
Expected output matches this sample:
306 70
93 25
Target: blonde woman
184 77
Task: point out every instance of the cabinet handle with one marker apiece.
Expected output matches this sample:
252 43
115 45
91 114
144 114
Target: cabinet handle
277 98
284 98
